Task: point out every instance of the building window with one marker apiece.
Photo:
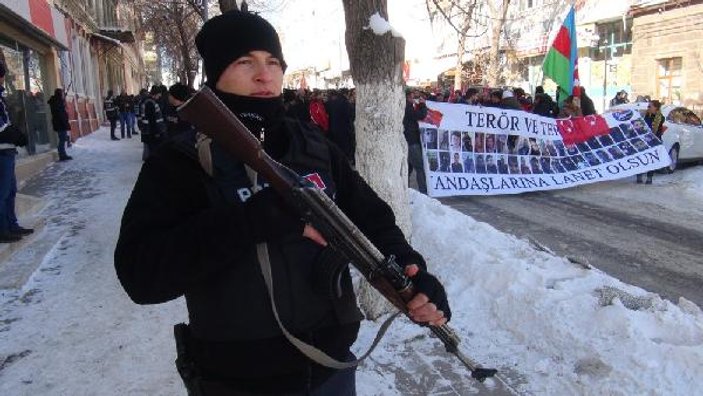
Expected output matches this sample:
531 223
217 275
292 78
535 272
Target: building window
614 40
669 79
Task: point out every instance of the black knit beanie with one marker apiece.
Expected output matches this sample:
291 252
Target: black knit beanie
180 91
225 38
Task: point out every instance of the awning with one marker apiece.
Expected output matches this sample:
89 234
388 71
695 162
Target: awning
113 43
108 39
124 36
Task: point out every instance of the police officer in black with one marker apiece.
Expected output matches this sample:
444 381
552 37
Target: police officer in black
177 95
111 113
196 215
153 121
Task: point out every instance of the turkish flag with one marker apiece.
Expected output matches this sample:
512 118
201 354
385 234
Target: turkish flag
570 131
591 126
434 117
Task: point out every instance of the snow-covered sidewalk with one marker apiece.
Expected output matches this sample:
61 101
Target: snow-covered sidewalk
552 327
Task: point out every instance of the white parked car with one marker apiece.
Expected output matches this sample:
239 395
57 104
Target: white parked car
683 137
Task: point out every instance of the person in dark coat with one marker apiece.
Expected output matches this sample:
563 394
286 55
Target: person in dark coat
11 137
198 224
544 105
125 106
508 101
587 106
341 124
655 120
177 95
111 113
300 108
155 124
59 121
415 111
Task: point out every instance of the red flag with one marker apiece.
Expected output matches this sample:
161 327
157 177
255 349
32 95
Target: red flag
570 131
592 125
434 117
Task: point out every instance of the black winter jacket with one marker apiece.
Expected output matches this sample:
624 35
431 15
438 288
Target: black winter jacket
59 116
413 114
174 241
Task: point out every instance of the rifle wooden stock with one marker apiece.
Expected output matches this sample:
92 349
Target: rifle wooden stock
213 118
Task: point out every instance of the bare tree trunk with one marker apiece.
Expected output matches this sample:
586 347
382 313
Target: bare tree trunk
188 76
461 48
381 151
493 72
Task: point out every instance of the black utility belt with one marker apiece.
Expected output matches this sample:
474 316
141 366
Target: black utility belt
8 151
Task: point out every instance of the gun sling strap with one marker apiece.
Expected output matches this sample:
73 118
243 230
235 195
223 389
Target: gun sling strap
306 349
314 354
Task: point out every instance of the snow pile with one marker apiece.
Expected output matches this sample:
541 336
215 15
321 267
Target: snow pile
566 329
381 26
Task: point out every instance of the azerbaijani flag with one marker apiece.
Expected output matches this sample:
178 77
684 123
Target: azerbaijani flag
561 62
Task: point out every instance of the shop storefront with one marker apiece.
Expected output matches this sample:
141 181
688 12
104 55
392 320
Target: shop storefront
30 35
26 89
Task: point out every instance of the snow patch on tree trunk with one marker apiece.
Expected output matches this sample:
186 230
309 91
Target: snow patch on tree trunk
381 26
379 129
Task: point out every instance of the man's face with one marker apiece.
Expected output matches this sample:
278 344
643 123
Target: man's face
257 74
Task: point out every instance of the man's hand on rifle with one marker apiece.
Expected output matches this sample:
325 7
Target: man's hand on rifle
430 304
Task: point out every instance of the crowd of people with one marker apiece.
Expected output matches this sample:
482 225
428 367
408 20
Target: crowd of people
150 113
516 99
332 111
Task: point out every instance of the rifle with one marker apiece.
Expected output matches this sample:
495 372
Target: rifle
214 119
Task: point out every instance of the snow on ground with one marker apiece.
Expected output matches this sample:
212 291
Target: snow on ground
550 326
675 198
689 182
555 321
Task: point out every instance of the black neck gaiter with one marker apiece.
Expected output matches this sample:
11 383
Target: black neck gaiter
260 115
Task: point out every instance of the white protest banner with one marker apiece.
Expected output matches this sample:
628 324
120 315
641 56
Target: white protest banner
473 150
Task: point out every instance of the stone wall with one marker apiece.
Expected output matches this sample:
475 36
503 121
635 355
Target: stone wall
668 34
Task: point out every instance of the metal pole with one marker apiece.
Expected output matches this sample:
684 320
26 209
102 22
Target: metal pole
605 74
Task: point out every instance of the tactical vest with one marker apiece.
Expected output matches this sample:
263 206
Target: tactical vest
235 304
149 135
110 108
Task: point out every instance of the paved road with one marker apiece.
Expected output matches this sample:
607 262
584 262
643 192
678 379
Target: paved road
621 228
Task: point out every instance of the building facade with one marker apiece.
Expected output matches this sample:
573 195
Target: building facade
668 46
83 46
604 39
31 35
